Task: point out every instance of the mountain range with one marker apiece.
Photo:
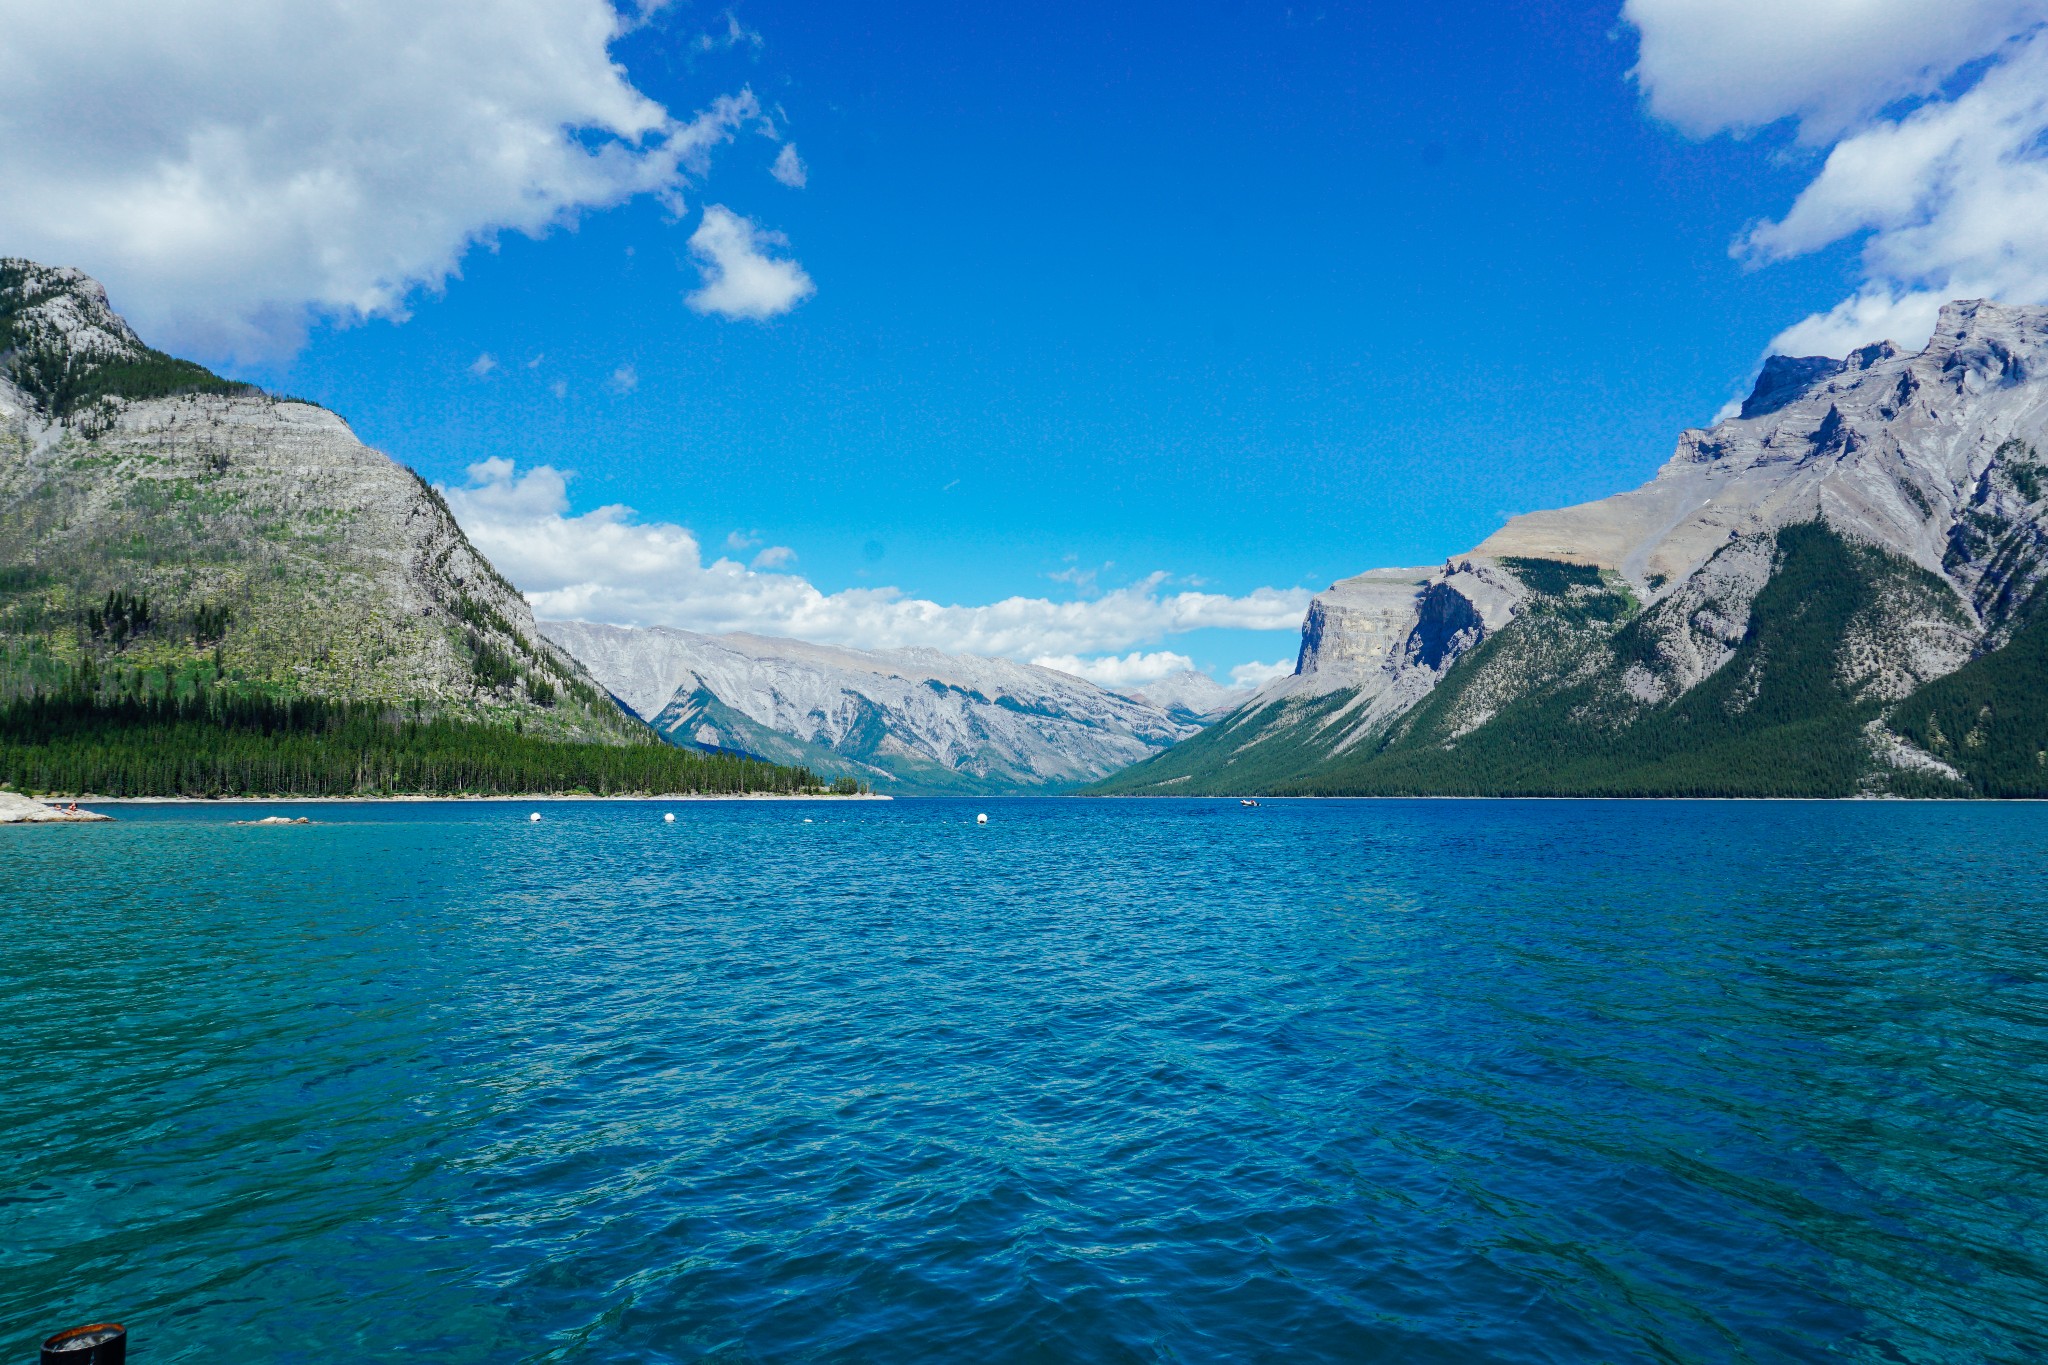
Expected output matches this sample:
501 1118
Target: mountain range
910 721
1835 591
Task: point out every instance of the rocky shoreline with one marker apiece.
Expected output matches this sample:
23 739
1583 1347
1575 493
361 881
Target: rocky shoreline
16 809
528 796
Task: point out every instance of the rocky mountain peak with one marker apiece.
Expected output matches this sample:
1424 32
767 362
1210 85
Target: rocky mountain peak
282 552
1785 378
1883 447
58 307
1964 321
1189 695
66 351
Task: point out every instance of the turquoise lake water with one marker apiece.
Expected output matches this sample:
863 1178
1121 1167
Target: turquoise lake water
1100 1081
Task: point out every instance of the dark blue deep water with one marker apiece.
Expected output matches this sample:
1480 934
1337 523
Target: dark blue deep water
1101 1081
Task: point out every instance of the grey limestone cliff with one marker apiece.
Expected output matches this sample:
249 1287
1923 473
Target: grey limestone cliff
1924 469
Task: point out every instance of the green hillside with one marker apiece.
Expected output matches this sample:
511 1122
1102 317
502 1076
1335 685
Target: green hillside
1989 719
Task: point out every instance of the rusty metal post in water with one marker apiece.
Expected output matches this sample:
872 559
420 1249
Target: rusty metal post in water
99 1343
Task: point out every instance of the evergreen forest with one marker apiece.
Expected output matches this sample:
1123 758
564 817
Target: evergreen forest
215 741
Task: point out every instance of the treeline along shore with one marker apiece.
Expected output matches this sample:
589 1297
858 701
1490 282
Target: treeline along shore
217 742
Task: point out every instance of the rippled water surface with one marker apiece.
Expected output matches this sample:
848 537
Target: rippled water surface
1100 1081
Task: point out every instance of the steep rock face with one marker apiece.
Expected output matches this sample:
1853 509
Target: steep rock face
1371 647
1696 629
1785 378
1923 476
264 538
910 720
1888 449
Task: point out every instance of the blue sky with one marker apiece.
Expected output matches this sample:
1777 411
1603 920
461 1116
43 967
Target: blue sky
1254 296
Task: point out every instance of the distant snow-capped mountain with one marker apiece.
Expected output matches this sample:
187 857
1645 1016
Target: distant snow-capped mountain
907 720
1190 696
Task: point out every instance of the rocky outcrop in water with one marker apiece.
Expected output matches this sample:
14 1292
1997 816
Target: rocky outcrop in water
16 809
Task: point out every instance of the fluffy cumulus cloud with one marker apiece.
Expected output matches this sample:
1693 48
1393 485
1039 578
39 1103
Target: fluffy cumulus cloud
1934 114
742 279
1139 669
607 565
235 168
1120 673
1710 65
1258 675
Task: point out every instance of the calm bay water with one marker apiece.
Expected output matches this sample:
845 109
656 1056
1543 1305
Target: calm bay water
1101 1081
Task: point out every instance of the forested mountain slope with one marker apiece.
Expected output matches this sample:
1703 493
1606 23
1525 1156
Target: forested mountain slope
173 540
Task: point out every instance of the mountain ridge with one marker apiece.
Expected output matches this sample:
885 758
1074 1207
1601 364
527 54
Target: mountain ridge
222 504
1915 479
913 720
202 584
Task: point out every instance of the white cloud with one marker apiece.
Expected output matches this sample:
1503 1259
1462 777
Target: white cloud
736 34
234 169
1136 671
483 365
1714 65
789 167
1126 674
624 379
1948 190
741 280
1875 314
1258 675
604 565
1082 581
774 557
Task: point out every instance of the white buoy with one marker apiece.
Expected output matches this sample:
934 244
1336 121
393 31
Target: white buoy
535 817
981 819
668 817
807 819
